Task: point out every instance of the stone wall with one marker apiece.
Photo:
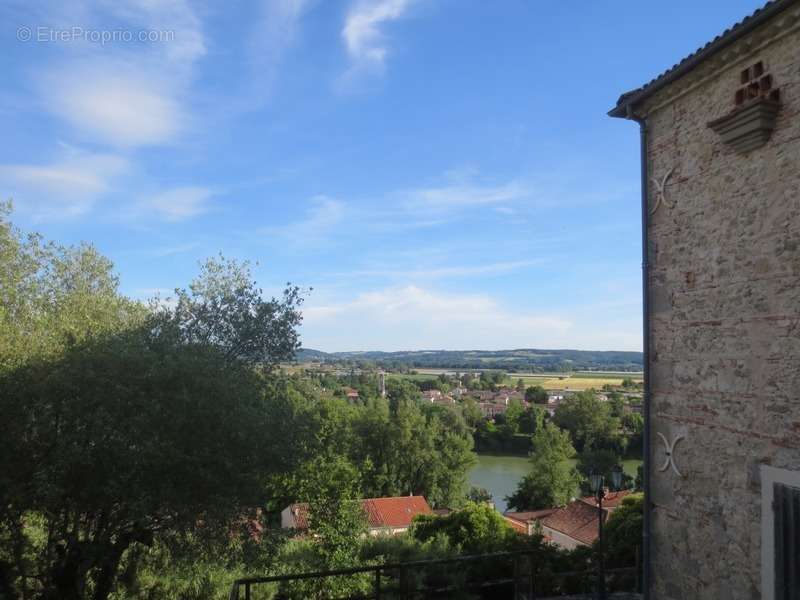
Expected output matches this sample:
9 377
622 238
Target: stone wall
725 320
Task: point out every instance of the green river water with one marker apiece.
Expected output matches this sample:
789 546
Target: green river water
500 474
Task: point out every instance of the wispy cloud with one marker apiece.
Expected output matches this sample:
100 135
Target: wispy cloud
315 227
363 34
66 187
415 317
181 203
274 31
124 94
448 272
114 103
466 195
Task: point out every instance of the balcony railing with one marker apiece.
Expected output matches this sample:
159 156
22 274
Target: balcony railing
512 575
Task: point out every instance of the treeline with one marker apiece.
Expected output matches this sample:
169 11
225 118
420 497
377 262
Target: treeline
524 360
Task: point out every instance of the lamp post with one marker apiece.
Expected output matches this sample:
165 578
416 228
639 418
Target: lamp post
597 483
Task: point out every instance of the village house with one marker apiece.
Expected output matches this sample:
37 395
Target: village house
490 409
387 516
720 172
570 526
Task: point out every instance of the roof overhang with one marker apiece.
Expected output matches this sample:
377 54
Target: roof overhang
630 100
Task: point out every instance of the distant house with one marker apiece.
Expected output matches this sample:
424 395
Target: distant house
525 522
490 409
444 400
384 515
431 395
351 394
570 526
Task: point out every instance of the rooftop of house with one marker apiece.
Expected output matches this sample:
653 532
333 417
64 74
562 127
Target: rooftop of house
395 513
578 519
723 40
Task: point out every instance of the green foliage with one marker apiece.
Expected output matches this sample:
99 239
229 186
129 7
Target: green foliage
477 528
588 420
551 481
122 424
623 532
225 309
600 461
536 394
479 494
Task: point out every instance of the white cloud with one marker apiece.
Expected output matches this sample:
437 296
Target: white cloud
126 94
415 317
467 195
181 203
490 269
67 187
274 32
319 222
363 36
114 103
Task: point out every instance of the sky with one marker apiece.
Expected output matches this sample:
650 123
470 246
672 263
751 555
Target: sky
442 173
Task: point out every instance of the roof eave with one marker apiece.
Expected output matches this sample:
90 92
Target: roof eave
628 101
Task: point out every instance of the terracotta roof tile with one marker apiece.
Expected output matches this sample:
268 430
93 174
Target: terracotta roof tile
381 512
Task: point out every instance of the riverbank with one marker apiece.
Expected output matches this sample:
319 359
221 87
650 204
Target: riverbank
501 473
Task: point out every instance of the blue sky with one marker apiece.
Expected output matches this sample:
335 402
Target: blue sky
441 172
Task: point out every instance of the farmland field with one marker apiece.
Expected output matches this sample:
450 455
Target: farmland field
582 380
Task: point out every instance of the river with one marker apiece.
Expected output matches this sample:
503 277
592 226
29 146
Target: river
500 474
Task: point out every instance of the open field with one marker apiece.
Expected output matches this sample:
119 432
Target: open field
578 381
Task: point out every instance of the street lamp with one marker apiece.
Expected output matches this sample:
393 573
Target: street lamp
597 484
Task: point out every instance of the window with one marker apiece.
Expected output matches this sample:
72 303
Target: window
780 534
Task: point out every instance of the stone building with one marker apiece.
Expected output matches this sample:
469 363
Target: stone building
721 258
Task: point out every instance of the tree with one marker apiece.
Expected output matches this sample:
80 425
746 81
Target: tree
588 420
536 394
121 425
521 385
623 532
225 309
603 462
479 494
533 419
551 481
477 528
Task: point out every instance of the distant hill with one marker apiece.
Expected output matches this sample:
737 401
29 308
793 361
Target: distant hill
525 359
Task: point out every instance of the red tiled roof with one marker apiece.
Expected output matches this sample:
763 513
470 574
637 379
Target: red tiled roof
529 514
381 512
395 512
518 526
577 519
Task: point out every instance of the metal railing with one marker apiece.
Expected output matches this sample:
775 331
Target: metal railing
520 577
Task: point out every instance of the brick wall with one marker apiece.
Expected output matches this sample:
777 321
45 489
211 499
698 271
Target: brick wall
725 320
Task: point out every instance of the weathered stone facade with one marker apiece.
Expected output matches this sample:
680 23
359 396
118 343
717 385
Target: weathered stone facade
724 322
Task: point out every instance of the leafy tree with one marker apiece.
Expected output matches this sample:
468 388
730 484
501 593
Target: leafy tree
521 385
121 425
533 419
603 462
588 420
477 528
225 309
479 494
623 532
551 481
472 413
536 394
